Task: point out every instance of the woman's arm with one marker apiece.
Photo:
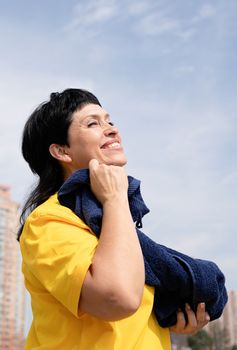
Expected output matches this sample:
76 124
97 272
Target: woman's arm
113 286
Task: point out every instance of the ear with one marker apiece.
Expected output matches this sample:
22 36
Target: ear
60 153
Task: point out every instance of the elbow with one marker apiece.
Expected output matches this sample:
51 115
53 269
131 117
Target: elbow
110 300
121 304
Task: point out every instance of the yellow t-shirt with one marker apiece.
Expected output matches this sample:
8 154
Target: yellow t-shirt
57 250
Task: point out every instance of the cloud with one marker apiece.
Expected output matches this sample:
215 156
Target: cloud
230 179
157 24
207 11
91 14
139 8
186 34
184 70
166 19
196 243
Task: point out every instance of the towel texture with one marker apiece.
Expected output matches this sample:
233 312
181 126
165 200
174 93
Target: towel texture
177 278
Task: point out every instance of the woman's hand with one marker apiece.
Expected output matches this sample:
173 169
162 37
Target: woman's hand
194 321
107 181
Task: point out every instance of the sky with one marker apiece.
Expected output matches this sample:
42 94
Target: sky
166 73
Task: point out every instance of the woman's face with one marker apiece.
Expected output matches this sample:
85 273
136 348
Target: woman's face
92 135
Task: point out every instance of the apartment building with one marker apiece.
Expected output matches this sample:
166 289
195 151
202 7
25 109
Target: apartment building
224 330
12 294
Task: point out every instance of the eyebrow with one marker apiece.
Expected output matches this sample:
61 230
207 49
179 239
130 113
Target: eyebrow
107 116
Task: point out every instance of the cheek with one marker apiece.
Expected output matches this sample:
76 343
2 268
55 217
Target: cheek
91 141
88 150
86 143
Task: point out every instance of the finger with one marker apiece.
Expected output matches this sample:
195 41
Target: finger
93 164
201 312
181 322
192 321
201 315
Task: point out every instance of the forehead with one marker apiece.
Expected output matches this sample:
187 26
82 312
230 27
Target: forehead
90 110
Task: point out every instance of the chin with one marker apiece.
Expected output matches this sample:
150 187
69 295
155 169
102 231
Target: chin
117 162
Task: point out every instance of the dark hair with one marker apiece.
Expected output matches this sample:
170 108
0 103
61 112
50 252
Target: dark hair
49 124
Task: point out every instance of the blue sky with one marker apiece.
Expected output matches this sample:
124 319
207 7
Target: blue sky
166 72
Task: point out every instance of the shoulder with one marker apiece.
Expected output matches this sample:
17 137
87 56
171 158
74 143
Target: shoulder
52 220
53 210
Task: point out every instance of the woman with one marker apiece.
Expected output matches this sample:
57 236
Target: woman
85 293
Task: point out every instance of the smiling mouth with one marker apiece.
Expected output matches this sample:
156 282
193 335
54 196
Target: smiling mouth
113 145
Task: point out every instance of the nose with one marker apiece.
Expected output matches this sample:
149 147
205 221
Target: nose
110 130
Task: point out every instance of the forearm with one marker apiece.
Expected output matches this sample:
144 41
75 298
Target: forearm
118 259
114 284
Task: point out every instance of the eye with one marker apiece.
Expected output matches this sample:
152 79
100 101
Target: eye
93 123
111 123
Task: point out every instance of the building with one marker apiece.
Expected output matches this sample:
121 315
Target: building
224 330
11 283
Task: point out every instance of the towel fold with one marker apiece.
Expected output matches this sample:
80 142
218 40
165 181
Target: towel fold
177 278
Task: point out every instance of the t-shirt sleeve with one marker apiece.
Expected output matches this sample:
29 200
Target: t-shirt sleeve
58 253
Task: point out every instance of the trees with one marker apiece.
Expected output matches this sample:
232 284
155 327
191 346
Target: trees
200 341
218 340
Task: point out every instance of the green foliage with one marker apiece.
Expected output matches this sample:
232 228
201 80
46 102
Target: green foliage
200 341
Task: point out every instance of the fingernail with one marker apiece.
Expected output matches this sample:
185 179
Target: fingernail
187 306
207 318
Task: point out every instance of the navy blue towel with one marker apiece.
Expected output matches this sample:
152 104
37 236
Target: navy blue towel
177 278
